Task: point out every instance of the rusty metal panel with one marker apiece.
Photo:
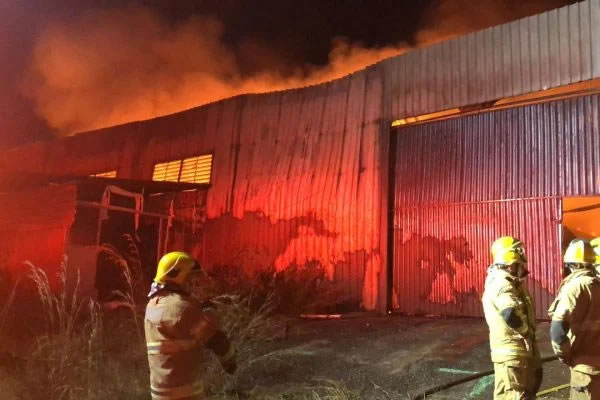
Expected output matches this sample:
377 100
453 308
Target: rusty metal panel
537 150
442 253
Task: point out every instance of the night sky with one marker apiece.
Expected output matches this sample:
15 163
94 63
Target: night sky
288 35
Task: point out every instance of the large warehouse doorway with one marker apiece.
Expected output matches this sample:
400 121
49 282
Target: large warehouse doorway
459 183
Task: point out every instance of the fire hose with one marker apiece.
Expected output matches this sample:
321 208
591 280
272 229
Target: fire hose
479 375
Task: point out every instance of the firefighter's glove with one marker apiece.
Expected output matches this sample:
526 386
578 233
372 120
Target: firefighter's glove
566 360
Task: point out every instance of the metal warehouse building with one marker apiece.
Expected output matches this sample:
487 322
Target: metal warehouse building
394 179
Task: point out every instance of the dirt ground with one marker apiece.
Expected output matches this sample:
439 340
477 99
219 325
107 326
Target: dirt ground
389 357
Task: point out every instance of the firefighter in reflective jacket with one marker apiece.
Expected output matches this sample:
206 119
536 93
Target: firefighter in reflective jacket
596 246
509 313
575 326
177 328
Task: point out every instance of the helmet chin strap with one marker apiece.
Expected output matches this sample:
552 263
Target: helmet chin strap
576 267
516 270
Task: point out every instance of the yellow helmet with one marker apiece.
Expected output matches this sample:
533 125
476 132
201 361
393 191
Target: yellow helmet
175 267
596 246
579 252
508 250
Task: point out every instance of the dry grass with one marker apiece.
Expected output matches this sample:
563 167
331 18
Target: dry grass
248 331
83 353
86 352
133 297
65 358
292 291
129 262
62 310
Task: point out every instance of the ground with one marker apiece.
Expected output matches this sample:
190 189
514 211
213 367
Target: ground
390 357
368 357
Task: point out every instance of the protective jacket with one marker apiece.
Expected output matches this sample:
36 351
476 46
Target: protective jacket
504 294
177 328
575 317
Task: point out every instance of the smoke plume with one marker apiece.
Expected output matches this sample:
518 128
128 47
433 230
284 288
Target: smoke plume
116 66
445 19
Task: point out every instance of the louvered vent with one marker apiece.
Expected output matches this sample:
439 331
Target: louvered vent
196 169
167 171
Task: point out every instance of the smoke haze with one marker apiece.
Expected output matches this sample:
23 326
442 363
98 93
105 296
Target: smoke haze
109 67
445 19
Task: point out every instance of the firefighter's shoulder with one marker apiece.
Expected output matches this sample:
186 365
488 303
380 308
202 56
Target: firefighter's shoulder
499 283
578 284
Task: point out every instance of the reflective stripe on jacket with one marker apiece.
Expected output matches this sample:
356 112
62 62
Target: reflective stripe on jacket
578 304
503 291
176 329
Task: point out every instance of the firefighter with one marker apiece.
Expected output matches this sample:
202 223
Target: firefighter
509 313
596 246
177 328
575 326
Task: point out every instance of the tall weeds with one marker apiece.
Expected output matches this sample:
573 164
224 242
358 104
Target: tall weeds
63 309
86 352
65 358
291 291
247 329
134 295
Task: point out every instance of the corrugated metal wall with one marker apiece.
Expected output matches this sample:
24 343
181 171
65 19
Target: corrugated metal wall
535 53
442 253
295 177
35 230
540 150
451 178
